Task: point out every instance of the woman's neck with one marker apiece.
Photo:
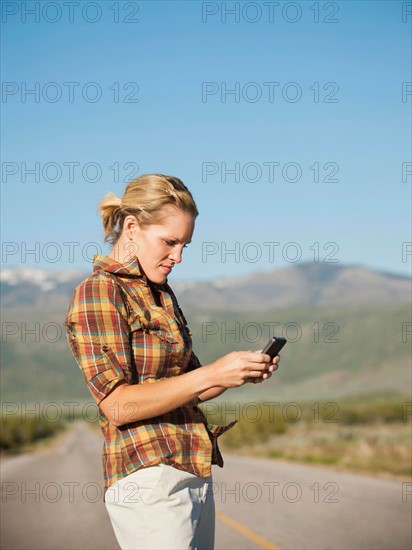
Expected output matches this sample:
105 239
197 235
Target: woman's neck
123 251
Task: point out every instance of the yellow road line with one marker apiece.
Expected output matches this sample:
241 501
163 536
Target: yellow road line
248 533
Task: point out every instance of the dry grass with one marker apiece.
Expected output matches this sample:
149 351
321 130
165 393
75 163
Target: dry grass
375 448
369 433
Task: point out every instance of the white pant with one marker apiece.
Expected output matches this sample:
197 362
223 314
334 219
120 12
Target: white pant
162 508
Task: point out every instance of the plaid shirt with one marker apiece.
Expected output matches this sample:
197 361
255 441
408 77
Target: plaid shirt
118 332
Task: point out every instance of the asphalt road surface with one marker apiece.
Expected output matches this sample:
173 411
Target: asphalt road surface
52 499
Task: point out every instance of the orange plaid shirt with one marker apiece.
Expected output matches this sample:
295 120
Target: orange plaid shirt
118 332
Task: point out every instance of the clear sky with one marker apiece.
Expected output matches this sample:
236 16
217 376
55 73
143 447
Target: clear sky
290 122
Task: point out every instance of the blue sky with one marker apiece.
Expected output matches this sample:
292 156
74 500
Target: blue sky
314 135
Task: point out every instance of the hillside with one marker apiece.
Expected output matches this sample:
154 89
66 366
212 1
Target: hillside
297 285
306 284
334 348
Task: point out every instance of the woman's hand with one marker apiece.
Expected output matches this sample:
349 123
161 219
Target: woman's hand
273 367
237 368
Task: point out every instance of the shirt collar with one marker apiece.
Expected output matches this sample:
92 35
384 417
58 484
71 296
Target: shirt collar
130 268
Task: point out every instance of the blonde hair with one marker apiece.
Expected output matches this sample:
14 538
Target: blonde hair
144 198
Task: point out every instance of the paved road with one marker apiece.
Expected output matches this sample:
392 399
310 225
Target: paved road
303 507
53 500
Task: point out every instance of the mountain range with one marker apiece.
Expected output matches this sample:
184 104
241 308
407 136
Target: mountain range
298 285
349 330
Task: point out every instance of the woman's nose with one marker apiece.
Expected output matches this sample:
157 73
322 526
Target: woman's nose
176 256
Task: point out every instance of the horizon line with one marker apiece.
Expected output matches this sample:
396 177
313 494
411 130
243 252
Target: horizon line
336 265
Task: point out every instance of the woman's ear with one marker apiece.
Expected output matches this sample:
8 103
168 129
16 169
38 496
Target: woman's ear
131 227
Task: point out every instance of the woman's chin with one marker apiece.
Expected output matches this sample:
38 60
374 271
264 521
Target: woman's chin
158 277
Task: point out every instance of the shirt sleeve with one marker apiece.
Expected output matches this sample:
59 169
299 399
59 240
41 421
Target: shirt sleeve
98 335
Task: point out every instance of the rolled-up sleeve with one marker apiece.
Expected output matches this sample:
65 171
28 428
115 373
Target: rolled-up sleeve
98 335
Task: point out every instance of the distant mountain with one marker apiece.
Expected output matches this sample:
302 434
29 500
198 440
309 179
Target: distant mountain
297 285
28 286
347 328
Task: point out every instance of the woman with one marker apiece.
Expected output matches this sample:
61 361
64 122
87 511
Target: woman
132 343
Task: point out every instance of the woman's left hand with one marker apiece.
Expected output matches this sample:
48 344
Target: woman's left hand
273 367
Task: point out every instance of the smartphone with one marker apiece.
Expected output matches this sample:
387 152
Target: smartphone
273 347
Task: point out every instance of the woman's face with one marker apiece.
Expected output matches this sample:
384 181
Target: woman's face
159 247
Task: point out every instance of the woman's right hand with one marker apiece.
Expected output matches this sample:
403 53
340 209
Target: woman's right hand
239 367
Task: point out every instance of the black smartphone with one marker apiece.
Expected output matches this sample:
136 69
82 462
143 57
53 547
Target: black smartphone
273 347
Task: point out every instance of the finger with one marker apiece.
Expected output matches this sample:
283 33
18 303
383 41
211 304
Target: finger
257 367
268 359
256 374
260 379
253 380
263 358
257 357
273 367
